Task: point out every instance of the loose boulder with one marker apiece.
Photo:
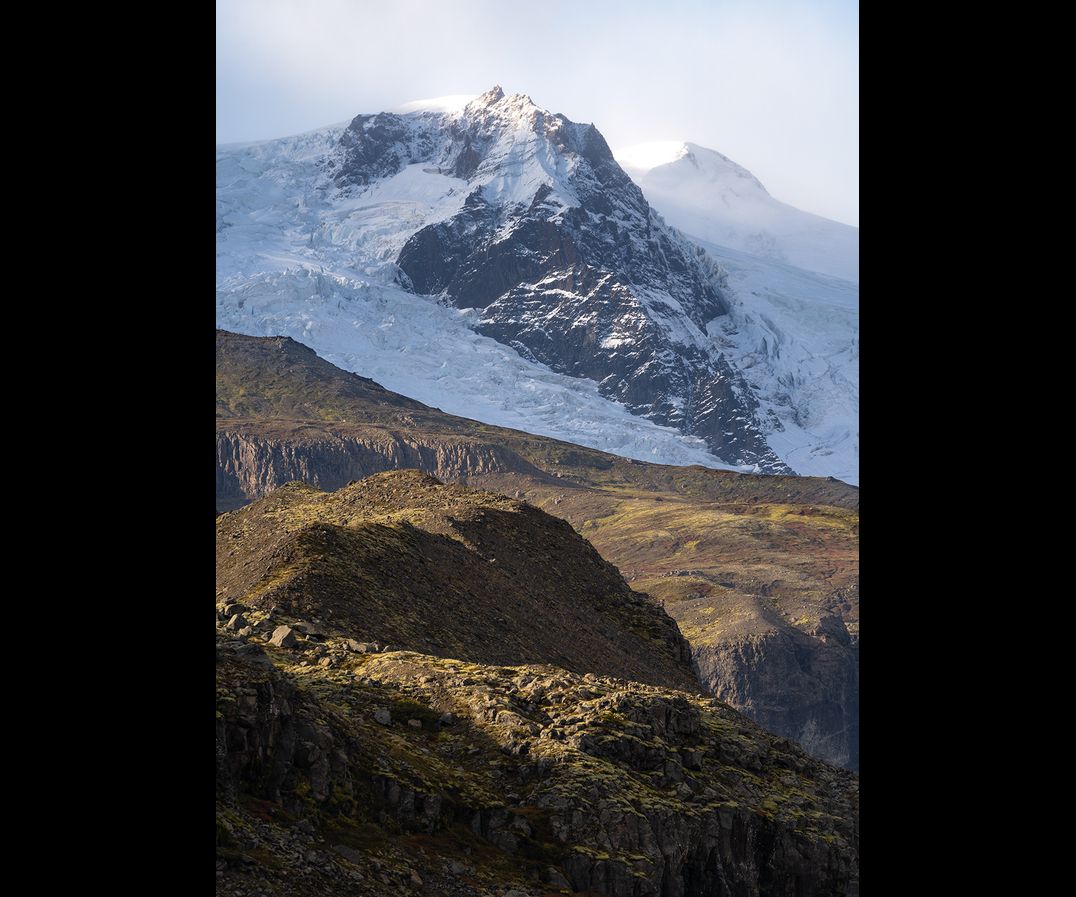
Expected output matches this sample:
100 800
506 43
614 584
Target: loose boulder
283 637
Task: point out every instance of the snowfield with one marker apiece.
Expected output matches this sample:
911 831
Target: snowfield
705 194
795 336
793 328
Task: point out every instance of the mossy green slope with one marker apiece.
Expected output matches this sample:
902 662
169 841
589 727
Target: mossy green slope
402 559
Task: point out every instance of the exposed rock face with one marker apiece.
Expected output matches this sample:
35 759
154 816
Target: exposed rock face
562 255
792 683
252 464
602 785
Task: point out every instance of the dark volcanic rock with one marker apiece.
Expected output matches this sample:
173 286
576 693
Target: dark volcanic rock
611 810
802 687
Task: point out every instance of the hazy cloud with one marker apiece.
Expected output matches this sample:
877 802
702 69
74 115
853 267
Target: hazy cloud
773 85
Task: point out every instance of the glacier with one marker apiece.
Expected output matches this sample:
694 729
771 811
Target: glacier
793 281
292 261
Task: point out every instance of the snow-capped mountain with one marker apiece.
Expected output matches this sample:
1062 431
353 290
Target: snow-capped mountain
495 261
794 335
296 258
792 285
707 195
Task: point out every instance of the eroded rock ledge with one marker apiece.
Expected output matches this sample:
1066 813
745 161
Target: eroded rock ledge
524 777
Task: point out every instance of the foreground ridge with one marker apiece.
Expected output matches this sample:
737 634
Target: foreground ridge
402 773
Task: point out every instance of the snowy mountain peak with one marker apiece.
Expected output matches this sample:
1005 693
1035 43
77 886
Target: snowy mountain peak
514 108
501 144
707 195
673 160
489 98
495 256
718 168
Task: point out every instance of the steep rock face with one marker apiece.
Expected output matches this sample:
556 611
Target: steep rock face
562 258
580 783
253 464
805 688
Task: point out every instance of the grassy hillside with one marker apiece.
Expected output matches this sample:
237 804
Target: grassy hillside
761 572
400 559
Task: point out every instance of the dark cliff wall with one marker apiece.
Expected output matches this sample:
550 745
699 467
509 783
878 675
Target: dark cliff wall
799 686
647 824
250 466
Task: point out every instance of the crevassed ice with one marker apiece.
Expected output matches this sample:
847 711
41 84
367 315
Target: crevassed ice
292 263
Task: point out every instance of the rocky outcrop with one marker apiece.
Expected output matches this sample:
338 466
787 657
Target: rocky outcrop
405 559
549 293
252 464
577 782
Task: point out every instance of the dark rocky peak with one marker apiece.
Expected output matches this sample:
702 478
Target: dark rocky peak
379 146
489 98
502 130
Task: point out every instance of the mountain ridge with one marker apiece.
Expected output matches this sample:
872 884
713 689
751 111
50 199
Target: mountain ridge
760 572
468 587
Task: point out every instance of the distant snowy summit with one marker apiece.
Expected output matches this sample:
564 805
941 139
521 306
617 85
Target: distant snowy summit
707 195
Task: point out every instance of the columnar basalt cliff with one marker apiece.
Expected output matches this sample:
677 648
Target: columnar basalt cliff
803 685
252 462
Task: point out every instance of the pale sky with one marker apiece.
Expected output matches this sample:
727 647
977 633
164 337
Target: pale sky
772 84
